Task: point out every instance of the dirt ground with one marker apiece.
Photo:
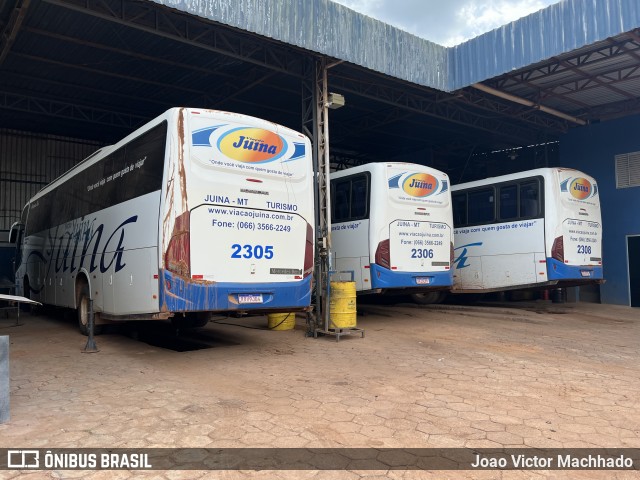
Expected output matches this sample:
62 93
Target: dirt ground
532 375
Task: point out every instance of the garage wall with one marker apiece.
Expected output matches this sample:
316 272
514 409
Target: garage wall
27 163
593 149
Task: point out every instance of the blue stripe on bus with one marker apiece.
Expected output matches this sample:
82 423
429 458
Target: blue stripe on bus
384 278
298 152
394 182
557 270
200 138
187 296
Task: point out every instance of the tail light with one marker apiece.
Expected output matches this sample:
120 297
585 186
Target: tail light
178 256
557 250
383 254
308 252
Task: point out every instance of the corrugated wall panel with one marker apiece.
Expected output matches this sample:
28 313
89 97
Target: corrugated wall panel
558 29
334 30
28 162
331 29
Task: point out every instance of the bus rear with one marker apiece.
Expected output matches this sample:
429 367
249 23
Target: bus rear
411 228
573 228
237 228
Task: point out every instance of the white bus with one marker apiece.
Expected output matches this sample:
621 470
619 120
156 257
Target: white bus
392 227
537 228
196 211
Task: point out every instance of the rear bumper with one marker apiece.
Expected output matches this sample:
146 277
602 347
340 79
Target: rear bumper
179 294
557 270
384 278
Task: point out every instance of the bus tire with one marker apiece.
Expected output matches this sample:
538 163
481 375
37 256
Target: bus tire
192 320
26 293
201 320
427 298
83 311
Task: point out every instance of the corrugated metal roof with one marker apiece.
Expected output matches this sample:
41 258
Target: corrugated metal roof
99 69
558 29
331 29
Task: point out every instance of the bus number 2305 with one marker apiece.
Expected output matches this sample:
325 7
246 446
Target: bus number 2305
252 251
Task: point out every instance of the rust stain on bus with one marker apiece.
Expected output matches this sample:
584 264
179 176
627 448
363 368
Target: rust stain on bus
181 169
167 218
188 299
170 191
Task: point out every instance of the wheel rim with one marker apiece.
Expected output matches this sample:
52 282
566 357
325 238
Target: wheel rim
84 311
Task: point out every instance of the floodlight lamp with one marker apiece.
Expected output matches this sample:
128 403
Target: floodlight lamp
335 101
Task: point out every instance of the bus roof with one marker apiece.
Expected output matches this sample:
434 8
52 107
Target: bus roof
544 172
368 167
168 114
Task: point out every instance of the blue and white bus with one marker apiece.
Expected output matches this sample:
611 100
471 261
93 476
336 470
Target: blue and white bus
196 211
539 228
392 227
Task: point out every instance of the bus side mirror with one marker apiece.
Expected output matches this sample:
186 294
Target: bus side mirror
15 231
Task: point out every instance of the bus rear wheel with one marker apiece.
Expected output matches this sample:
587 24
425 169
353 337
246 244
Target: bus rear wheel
427 298
191 320
83 311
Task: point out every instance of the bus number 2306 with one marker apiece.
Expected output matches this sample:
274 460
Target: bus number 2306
252 251
421 253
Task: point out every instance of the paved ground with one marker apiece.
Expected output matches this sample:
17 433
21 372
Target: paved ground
444 376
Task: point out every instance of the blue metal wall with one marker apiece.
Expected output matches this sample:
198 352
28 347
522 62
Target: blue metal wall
592 149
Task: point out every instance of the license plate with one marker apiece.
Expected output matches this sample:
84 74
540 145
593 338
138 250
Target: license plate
585 273
423 280
249 298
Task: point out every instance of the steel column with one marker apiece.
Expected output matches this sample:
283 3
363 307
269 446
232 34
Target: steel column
4 378
315 125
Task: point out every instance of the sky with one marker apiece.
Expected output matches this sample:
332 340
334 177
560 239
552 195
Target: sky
447 22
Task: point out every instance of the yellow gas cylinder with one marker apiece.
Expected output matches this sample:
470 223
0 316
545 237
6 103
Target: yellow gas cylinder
342 307
281 321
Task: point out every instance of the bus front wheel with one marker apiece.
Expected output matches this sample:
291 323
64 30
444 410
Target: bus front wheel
83 311
26 293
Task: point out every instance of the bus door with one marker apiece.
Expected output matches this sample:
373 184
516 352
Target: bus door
350 229
515 243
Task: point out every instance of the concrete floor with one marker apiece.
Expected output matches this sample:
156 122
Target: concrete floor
539 375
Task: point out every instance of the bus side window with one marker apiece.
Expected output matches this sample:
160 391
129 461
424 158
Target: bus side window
508 202
529 200
459 203
481 206
341 203
359 198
